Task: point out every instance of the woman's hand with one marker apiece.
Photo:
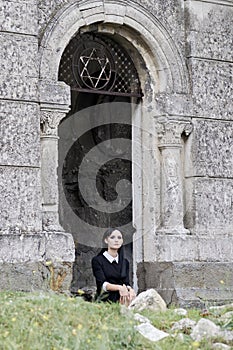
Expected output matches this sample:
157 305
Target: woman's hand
124 295
132 294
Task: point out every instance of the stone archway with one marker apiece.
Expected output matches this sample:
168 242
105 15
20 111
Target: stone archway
158 57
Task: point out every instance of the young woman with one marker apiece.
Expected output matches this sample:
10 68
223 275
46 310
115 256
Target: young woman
111 270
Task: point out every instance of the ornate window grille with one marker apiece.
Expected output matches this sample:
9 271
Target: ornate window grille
97 64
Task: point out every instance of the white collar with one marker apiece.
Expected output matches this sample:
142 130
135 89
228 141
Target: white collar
110 257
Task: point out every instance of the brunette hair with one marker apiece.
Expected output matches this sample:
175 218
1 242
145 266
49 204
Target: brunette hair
108 233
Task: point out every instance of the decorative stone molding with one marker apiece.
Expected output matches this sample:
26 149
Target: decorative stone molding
49 121
51 116
72 16
169 132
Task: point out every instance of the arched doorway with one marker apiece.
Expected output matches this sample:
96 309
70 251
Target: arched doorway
95 153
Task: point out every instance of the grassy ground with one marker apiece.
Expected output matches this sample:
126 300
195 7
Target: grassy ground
48 321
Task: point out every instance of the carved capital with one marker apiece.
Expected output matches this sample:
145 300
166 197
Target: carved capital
49 121
170 131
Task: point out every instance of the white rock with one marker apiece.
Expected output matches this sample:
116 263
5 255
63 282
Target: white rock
221 346
227 335
221 307
180 311
141 318
182 325
150 332
149 299
205 329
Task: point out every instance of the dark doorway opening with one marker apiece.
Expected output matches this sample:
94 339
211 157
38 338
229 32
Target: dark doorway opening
100 74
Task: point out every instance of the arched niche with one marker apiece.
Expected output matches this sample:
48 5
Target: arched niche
161 69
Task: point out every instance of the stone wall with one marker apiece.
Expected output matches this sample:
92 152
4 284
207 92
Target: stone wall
19 139
182 50
25 249
209 27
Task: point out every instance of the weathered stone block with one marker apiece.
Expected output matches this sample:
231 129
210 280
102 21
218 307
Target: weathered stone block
19 134
18 87
209 17
23 51
18 16
27 277
35 276
19 74
36 261
209 45
188 283
19 248
34 247
173 104
203 275
212 149
53 244
20 198
212 88
54 92
210 209
210 30
193 248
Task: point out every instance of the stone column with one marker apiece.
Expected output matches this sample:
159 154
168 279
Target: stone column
50 119
172 210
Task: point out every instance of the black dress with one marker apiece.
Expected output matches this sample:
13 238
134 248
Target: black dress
115 273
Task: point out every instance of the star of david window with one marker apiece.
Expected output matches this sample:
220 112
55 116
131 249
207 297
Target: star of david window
98 64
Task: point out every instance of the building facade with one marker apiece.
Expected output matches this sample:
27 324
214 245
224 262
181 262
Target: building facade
117 113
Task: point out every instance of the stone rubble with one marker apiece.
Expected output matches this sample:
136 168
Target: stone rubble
204 329
183 325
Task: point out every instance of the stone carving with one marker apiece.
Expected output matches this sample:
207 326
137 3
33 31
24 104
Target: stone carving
169 132
49 121
169 135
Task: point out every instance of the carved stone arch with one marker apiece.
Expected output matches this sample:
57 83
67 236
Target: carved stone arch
152 41
154 53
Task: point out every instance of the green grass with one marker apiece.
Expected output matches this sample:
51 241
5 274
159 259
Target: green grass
49 321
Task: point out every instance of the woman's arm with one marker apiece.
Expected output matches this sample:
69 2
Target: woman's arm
123 291
117 288
98 272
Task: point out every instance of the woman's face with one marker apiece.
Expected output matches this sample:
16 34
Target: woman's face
115 240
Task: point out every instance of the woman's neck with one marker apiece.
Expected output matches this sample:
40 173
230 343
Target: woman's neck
113 252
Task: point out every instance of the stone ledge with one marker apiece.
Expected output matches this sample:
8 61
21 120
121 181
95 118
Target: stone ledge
190 248
36 247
